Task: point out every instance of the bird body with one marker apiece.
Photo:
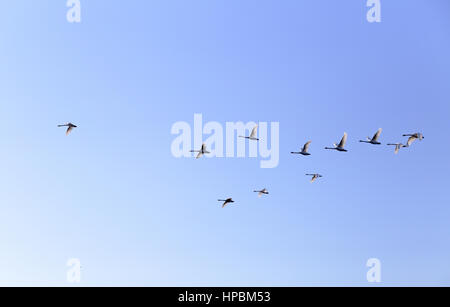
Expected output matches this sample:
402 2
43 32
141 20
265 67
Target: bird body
226 201
253 135
341 145
397 147
304 150
262 192
314 177
412 137
201 152
69 126
374 139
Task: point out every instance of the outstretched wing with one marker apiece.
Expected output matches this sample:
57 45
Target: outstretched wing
411 140
343 141
377 135
306 146
254 132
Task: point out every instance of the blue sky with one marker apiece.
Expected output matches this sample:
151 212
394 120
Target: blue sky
112 194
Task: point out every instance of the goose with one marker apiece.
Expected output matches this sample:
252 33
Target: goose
314 177
374 139
304 150
341 145
69 126
202 151
397 147
252 135
226 201
413 137
262 192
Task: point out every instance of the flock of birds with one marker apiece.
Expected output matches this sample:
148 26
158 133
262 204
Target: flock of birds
304 151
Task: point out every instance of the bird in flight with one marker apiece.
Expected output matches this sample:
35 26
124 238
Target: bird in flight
314 177
304 150
413 137
226 201
374 139
202 151
252 135
69 126
397 147
341 145
262 192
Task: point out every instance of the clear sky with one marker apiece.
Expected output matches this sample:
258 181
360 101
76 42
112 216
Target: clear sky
112 194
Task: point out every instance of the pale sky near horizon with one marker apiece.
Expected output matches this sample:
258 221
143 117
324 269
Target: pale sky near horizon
112 194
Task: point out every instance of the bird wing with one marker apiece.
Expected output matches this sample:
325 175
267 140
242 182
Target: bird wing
343 141
411 140
69 130
377 135
306 146
254 132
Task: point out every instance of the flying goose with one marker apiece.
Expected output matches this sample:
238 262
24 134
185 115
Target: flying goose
226 201
397 147
202 151
374 139
413 137
252 135
304 151
314 177
262 192
341 145
69 126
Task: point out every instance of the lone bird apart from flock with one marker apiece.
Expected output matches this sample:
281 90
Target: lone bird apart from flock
397 147
314 177
341 145
69 126
413 137
252 135
262 192
226 201
201 152
304 151
374 139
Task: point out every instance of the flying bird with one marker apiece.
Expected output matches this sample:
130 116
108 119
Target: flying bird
252 135
202 151
262 192
304 150
413 137
226 201
397 147
374 139
341 145
69 126
314 177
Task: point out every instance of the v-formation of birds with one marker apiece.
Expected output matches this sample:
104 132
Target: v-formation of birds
304 151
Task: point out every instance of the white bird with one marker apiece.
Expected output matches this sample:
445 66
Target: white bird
202 151
314 177
252 135
262 192
397 147
304 150
226 201
341 145
413 137
374 139
69 126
